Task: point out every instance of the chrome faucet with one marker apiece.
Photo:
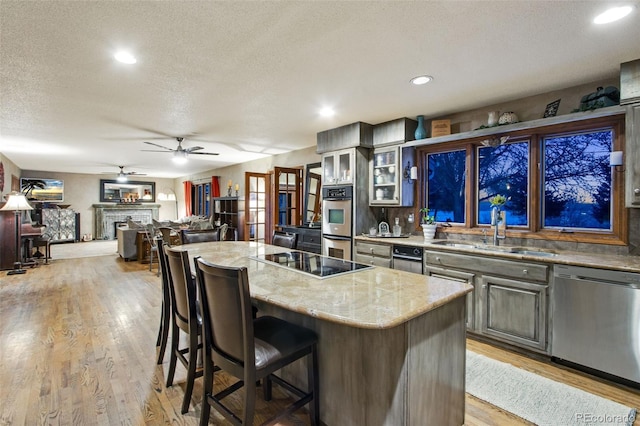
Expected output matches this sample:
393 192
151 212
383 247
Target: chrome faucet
495 221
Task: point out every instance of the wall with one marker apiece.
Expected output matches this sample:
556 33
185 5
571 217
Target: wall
83 190
235 173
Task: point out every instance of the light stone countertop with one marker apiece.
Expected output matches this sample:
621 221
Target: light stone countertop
373 298
627 263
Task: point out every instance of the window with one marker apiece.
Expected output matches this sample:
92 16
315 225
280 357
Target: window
557 179
577 181
504 170
446 183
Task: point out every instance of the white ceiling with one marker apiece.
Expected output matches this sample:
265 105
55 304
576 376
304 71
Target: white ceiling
246 79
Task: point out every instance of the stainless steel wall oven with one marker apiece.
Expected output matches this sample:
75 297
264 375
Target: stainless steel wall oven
337 228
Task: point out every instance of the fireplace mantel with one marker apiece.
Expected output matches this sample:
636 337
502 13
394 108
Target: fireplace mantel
108 213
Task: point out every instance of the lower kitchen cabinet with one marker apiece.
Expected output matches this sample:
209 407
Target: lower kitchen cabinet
510 298
514 311
373 253
465 277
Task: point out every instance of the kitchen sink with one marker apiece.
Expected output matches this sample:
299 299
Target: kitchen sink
527 251
531 252
454 244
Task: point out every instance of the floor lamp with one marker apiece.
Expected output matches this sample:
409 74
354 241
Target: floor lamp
17 203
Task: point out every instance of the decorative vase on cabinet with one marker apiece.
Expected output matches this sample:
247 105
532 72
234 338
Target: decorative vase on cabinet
420 133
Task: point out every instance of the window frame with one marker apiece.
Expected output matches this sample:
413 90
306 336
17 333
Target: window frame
619 217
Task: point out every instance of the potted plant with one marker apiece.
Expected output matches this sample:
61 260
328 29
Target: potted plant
428 223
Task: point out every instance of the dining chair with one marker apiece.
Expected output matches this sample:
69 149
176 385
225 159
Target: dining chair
222 232
184 318
284 239
165 313
168 233
152 246
247 348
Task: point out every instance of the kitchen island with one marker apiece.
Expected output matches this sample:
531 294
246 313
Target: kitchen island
391 343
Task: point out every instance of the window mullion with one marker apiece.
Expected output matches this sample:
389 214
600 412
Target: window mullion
535 183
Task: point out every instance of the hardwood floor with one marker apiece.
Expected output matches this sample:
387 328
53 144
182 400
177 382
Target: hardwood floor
77 342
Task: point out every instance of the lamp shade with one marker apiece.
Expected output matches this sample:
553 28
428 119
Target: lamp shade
17 201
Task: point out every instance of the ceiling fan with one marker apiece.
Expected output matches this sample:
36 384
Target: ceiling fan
123 176
179 154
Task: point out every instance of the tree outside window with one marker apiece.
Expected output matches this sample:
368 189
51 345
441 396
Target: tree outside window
577 181
504 170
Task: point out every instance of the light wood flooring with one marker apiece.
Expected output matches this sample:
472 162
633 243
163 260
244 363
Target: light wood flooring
77 346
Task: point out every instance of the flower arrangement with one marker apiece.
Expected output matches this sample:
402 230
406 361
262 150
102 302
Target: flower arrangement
498 200
426 218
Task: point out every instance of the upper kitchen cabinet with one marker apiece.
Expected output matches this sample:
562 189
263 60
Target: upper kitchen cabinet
353 135
337 167
632 151
390 182
630 96
394 132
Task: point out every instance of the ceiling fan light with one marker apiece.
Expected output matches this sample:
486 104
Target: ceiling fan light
122 178
180 157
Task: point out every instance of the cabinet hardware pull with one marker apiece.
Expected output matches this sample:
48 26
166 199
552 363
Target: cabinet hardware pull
524 271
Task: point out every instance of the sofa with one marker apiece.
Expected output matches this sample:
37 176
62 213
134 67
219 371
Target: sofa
127 248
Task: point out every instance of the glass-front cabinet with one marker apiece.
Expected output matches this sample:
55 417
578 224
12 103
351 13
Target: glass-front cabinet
337 167
390 184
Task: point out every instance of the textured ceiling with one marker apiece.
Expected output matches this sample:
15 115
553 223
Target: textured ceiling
246 79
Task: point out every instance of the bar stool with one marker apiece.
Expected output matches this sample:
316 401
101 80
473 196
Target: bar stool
249 349
185 318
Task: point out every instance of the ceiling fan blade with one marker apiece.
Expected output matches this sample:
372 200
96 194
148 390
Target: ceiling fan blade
159 146
193 148
204 153
155 150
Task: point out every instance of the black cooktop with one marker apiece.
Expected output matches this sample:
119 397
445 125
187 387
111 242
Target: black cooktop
313 264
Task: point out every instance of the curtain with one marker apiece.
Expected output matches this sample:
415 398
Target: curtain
215 186
188 189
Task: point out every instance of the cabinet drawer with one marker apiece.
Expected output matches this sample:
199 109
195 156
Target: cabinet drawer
309 238
374 249
372 260
312 248
509 268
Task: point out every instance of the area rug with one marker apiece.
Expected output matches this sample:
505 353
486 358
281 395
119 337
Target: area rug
537 399
84 249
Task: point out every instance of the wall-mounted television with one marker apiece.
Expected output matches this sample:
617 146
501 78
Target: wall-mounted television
41 189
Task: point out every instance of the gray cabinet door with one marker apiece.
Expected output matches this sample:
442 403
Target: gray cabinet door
514 311
465 277
632 166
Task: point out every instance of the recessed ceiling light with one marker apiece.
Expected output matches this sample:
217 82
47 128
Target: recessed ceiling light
125 57
327 112
613 14
421 79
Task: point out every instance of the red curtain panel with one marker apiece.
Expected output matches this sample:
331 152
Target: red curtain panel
188 187
215 186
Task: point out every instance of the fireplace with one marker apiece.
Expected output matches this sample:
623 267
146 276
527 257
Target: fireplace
108 214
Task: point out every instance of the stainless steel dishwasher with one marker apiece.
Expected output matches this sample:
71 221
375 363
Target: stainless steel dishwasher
596 319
